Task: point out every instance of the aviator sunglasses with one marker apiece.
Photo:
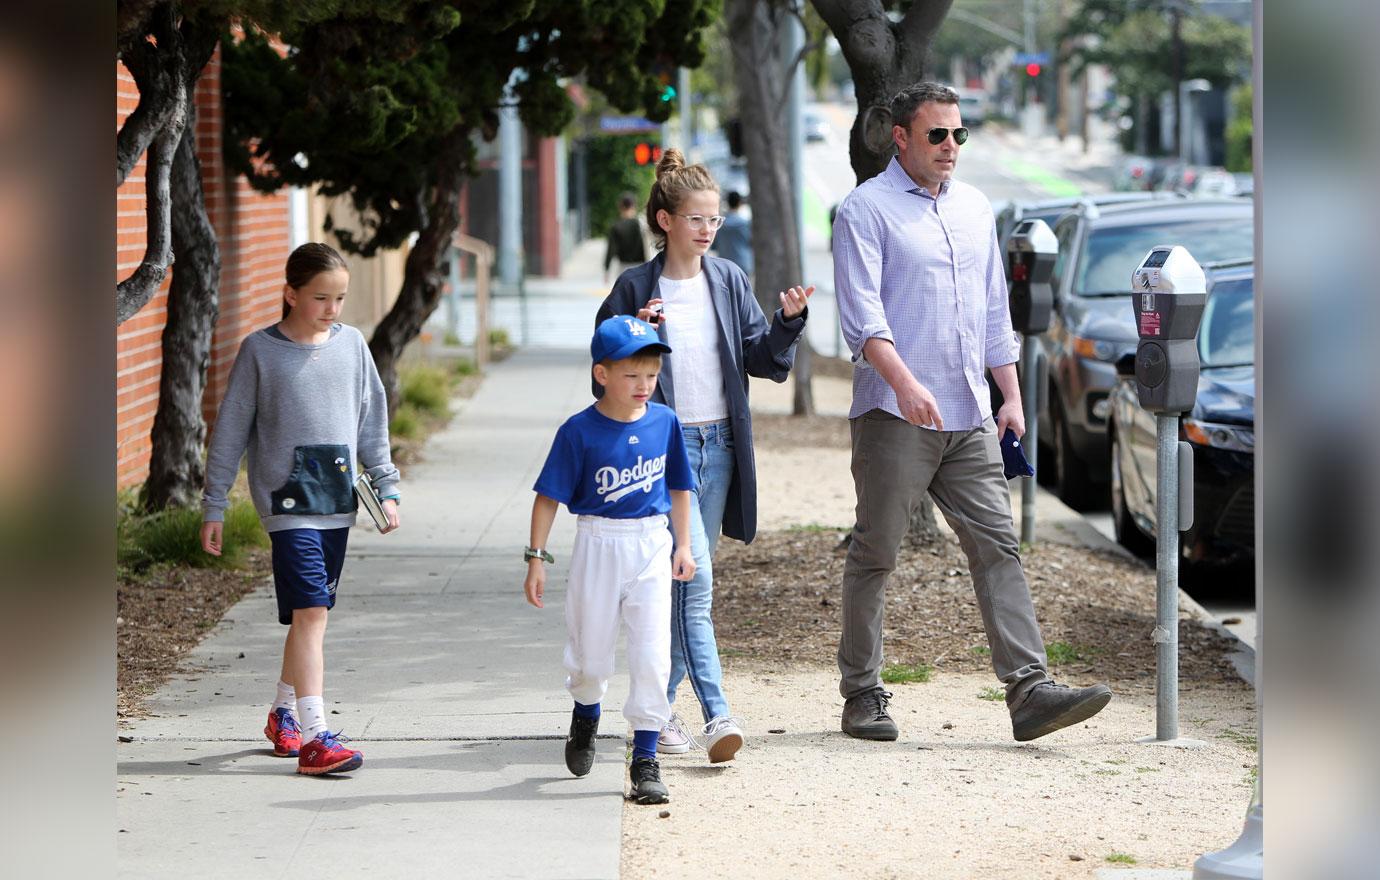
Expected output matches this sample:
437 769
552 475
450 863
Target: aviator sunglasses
936 135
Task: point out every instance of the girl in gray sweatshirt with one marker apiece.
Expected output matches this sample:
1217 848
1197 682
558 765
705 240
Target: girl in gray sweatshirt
305 400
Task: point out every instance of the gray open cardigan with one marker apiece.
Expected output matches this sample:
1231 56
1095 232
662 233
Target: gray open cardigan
747 347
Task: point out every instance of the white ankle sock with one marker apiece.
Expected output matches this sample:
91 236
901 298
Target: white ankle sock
287 698
312 716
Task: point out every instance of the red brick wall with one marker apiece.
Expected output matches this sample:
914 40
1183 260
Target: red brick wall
253 230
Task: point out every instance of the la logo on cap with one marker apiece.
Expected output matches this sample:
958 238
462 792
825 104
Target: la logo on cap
635 327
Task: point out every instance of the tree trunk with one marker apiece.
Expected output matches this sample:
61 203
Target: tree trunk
162 71
756 30
176 469
884 57
425 271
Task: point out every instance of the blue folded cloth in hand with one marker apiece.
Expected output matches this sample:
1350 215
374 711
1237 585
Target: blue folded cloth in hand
1013 457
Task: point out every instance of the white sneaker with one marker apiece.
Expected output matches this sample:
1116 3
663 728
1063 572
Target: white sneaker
673 739
723 737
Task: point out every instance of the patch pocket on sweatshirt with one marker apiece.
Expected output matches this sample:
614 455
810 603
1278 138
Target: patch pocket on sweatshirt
319 484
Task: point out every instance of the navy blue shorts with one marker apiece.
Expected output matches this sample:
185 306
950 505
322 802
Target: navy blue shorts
306 568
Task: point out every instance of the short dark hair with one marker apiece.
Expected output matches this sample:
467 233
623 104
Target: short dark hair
735 199
627 200
909 99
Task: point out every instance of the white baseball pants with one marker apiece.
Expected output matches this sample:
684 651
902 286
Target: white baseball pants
620 571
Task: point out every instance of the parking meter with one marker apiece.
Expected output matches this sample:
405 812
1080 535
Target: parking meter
1169 292
1030 255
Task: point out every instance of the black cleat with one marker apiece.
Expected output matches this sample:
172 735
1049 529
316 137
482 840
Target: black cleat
579 744
647 787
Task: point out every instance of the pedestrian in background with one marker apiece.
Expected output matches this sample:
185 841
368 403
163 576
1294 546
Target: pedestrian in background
626 244
923 305
734 241
710 317
305 399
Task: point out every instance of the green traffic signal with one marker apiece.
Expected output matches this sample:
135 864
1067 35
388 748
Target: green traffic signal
668 93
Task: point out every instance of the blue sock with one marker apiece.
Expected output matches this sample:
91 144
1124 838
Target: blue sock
644 743
590 711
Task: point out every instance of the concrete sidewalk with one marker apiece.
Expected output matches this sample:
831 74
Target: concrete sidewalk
437 670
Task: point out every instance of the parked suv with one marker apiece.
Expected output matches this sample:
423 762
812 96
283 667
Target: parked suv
1093 324
1050 210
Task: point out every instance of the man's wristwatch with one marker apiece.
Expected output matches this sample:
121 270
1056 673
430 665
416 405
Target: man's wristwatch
530 553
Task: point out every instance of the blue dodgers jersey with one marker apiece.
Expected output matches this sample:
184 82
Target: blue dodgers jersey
620 470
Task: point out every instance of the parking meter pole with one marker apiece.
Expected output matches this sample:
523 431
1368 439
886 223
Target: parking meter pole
1031 441
1167 577
1169 291
1030 254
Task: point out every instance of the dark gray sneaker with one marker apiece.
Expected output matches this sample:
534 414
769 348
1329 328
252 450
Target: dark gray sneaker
647 787
1048 707
865 717
579 744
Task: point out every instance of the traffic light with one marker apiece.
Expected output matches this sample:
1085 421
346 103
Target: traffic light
668 91
645 153
1032 69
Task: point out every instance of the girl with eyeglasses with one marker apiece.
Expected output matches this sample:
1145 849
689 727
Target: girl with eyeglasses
705 310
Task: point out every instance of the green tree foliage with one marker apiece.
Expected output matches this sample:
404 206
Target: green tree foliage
365 102
1135 39
1240 131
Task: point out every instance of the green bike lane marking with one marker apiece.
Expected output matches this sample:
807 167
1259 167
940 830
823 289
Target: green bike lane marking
816 213
1041 177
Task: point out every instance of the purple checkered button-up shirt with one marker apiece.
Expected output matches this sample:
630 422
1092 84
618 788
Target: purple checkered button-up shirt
924 272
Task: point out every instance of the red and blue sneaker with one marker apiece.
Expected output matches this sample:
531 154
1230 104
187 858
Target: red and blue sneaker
283 732
325 754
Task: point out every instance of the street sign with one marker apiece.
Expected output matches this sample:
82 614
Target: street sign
627 124
1024 58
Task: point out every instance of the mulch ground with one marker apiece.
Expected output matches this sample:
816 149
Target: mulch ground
778 600
163 614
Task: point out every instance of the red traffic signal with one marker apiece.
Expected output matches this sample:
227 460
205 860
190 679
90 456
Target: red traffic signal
645 153
1032 69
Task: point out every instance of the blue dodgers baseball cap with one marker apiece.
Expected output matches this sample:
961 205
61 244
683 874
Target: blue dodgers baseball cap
1013 460
623 336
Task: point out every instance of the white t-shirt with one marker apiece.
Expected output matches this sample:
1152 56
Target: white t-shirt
692 331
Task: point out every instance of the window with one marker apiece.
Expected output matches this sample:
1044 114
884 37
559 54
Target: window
1111 255
1226 336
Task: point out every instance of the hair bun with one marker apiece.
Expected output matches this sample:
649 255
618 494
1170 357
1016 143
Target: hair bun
672 159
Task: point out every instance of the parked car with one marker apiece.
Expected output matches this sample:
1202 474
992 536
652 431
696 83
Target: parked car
816 129
972 107
1214 182
1093 324
1220 428
1050 210
1179 177
1134 172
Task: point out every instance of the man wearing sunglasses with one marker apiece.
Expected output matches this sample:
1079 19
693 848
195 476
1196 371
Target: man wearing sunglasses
923 305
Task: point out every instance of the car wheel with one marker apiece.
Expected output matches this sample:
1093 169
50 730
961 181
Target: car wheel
1071 473
1128 534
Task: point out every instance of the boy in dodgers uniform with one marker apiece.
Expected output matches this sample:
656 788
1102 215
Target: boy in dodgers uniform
620 465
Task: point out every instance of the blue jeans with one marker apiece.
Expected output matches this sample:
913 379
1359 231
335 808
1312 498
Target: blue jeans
694 653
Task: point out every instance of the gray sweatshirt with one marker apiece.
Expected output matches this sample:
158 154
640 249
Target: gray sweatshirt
306 414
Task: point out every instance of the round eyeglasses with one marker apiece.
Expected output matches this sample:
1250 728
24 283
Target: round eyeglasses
699 221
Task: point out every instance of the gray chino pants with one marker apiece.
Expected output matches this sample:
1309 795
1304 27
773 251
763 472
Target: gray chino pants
894 464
